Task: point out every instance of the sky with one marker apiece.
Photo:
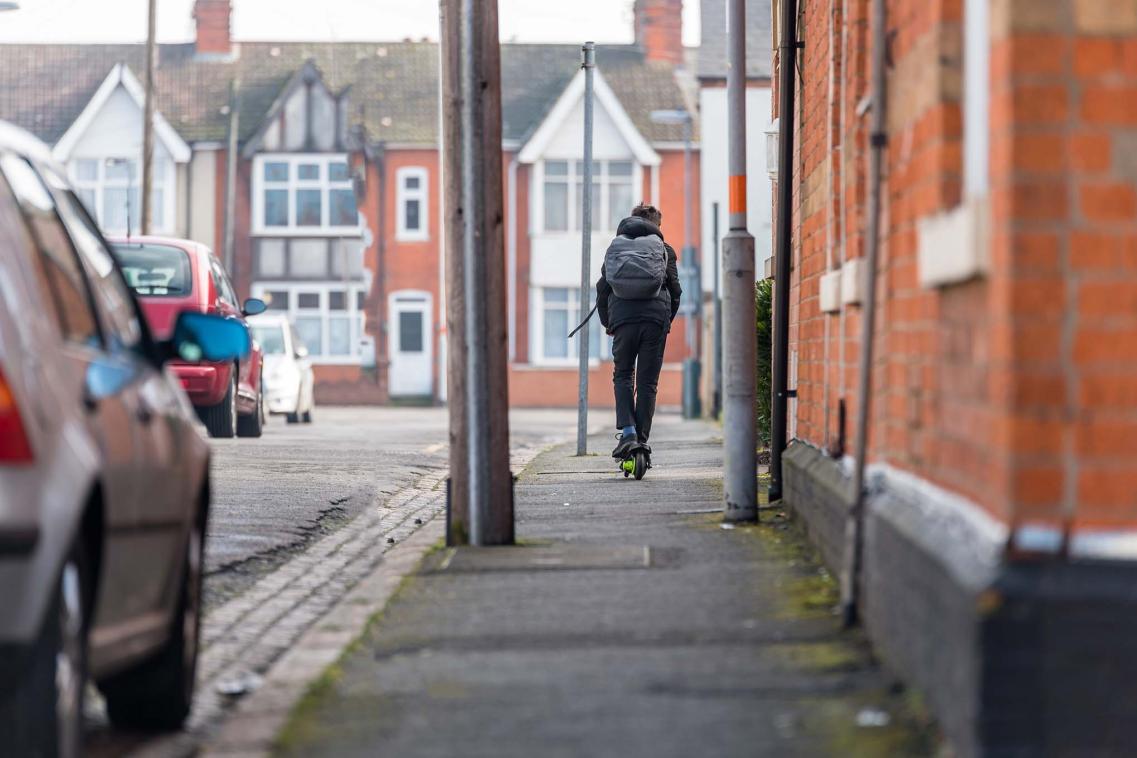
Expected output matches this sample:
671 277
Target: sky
335 20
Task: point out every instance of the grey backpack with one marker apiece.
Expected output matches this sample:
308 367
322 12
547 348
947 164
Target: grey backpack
636 268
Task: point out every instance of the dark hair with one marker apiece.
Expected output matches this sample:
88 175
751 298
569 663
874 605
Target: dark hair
648 213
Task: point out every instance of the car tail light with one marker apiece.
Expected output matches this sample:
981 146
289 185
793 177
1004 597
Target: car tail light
14 445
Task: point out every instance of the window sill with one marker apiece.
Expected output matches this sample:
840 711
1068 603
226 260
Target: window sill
953 247
350 232
412 238
344 360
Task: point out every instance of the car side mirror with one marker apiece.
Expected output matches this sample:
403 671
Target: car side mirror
301 351
206 337
254 306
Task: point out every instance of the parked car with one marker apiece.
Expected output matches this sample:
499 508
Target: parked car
104 478
289 382
173 275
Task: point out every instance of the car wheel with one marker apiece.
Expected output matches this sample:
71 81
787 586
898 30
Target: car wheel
253 424
221 419
159 693
307 417
45 716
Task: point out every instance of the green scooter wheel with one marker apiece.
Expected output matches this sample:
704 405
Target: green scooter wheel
639 465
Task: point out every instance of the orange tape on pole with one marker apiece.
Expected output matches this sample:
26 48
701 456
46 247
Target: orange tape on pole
737 199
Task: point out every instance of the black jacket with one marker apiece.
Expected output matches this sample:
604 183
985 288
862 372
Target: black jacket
615 311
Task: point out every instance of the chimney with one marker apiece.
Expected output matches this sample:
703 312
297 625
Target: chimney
659 29
213 28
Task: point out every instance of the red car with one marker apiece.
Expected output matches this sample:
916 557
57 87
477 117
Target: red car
174 275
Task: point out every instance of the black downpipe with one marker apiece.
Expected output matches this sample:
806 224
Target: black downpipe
787 64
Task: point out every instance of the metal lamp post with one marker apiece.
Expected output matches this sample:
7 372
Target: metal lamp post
689 267
588 63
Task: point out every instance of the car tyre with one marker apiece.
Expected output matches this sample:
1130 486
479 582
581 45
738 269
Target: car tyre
45 716
221 419
158 694
253 424
307 417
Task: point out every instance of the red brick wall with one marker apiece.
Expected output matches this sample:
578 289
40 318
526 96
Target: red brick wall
349 385
1064 114
415 265
1017 389
544 387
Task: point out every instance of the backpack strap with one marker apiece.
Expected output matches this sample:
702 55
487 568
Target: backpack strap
582 323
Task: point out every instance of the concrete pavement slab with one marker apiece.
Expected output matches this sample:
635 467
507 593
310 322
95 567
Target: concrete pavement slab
729 647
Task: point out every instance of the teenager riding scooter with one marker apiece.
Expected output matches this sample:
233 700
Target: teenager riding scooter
637 298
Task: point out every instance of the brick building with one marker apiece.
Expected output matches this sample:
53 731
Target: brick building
1001 523
337 193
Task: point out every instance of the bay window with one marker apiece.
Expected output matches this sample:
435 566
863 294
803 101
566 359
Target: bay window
558 310
613 194
303 194
329 318
111 189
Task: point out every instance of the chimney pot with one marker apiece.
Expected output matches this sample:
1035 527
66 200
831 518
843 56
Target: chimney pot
214 34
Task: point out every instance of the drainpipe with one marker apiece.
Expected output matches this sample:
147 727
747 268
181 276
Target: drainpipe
878 138
787 63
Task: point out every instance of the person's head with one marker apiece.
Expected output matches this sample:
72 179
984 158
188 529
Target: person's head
648 213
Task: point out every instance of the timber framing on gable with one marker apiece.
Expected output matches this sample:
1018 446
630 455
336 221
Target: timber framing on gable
272 134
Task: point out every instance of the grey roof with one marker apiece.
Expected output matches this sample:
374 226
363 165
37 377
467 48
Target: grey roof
759 39
44 88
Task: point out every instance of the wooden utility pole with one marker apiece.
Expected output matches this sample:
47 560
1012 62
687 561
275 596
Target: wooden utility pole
148 123
481 484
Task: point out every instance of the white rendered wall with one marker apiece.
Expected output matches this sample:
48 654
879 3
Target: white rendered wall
714 174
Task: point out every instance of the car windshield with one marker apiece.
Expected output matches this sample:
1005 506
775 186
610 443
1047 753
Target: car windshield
156 269
271 339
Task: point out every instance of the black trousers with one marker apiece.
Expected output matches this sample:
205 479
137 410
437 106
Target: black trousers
637 350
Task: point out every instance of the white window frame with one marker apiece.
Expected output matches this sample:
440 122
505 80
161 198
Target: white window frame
294 183
954 246
600 224
163 180
537 333
355 315
402 195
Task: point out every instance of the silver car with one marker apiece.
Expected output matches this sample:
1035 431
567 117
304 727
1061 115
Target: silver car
104 478
288 379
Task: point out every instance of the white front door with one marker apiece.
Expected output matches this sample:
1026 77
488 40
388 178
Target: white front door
409 345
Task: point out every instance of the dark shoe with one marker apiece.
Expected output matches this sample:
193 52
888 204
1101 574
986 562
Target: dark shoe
626 445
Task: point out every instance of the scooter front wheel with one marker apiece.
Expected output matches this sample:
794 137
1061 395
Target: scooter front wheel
639 465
